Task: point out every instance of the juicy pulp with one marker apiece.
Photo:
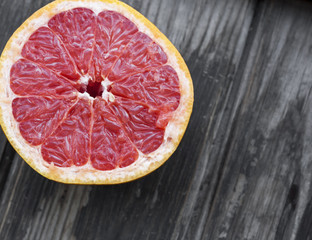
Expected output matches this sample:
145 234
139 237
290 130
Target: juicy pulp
73 129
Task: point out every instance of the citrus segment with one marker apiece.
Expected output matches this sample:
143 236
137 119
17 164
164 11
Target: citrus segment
110 146
157 87
140 123
29 78
45 48
113 32
75 28
38 117
69 144
141 53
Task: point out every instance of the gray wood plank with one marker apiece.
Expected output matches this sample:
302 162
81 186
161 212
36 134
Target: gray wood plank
211 36
243 168
264 187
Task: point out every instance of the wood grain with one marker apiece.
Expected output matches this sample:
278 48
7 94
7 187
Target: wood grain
244 167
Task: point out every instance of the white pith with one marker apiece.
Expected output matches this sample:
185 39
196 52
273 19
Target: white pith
84 79
106 95
72 174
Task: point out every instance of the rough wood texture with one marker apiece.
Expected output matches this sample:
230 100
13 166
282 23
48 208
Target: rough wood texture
244 167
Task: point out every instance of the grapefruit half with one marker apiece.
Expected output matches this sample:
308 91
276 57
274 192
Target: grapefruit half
93 93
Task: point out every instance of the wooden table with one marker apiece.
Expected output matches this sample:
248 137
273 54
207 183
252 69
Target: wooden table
244 167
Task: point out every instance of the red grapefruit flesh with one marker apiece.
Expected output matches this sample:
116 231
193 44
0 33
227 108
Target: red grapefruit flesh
31 79
93 90
46 49
70 143
110 145
38 117
76 29
112 46
112 34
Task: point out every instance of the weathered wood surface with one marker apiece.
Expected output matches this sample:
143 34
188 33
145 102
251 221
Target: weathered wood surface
244 167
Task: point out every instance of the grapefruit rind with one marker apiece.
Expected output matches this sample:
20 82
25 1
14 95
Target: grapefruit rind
86 174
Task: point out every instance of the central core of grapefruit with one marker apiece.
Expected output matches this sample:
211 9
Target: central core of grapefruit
93 89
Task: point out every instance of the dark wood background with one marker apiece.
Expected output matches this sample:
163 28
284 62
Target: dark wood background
244 167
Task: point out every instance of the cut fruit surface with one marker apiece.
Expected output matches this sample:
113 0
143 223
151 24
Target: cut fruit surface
76 30
31 79
140 124
69 144
45 48
156 87
110 146
93 93
112 34
38 117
